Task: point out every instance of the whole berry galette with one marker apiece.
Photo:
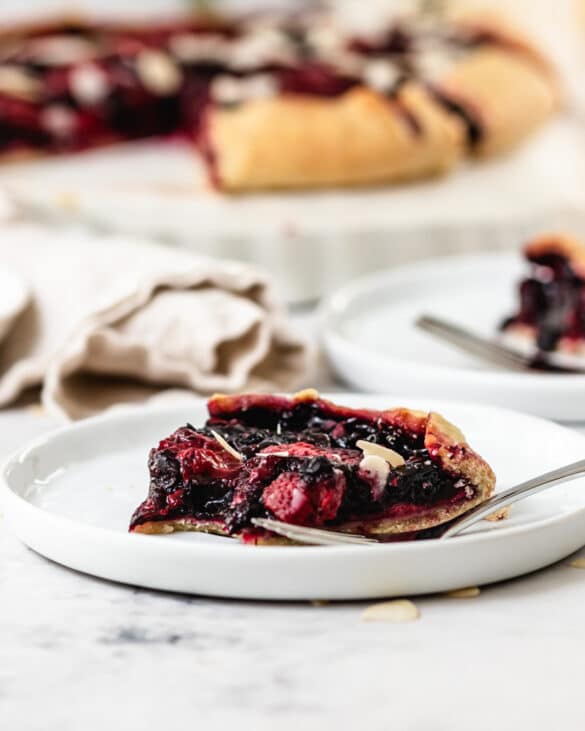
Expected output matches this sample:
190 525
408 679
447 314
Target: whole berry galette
277 102
308 461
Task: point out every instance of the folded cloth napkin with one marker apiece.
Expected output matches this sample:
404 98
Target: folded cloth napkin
110 321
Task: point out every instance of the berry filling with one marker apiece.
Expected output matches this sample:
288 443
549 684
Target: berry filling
552 302
300 461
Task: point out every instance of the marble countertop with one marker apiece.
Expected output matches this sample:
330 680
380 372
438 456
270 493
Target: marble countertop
81 653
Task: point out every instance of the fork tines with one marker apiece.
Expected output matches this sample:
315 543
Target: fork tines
313 536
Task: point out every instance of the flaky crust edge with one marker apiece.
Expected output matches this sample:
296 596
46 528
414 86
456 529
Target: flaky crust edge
360 138
510 87
570 247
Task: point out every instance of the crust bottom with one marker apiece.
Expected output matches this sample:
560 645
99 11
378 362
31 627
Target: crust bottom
375 528
153 527
521 334
157 527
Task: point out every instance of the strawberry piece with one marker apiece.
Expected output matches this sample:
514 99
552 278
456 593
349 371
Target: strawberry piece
288 498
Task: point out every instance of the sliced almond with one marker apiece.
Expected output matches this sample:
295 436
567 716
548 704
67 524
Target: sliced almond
381 75
397 611
62 50
500 514
577 563
377 469
227 89
307 394
469 592
18 83
158 72
377 450
227 447
89 84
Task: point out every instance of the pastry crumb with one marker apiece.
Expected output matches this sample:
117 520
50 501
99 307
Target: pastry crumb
577 563
468 592
397 611
501 514
67 200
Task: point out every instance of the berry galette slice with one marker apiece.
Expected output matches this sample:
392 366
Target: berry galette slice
551 311
308 461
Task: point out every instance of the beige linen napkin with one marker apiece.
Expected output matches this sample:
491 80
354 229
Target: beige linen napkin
110 321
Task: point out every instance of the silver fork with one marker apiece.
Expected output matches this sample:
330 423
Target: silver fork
494 352
321 537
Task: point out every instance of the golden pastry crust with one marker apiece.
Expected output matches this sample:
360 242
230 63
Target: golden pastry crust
505 34
507 95
564 245
507 85
359 138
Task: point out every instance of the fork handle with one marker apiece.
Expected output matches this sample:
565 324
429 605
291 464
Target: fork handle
513 494
471 343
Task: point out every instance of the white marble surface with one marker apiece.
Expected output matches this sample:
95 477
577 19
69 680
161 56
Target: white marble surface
80 653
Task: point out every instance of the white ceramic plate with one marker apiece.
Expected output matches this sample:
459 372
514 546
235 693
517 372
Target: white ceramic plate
70 495
370 337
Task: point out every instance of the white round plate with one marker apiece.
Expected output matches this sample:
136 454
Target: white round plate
70 496
371 339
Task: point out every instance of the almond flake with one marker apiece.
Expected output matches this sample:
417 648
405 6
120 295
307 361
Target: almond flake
307 394
377 469
88 84
62 50
227 447
16 82
377 450
158 72
381 75
227 89
577 563
397 611
500 514
469 592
